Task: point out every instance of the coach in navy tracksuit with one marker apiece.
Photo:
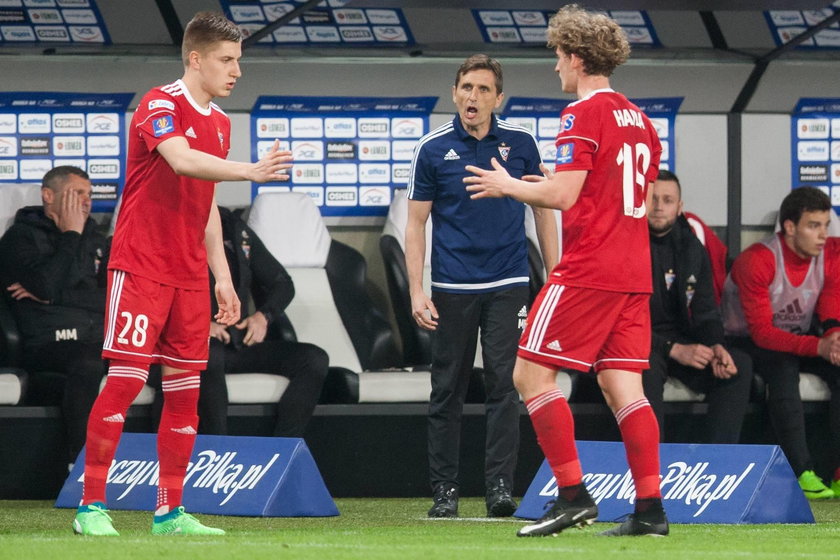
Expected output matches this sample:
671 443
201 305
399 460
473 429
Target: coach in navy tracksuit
479 278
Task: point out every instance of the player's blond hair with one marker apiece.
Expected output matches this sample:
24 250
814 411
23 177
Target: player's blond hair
206 29
598 40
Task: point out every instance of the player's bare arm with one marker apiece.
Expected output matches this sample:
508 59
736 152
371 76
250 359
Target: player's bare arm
560 190
225 294
194 163
546 226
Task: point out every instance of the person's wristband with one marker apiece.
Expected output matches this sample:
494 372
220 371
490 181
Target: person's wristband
668 346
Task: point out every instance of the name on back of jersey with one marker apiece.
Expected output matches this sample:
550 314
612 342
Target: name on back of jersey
626 117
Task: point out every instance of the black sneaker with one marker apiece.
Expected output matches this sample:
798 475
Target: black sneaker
445 501
652 523
499 500
580 512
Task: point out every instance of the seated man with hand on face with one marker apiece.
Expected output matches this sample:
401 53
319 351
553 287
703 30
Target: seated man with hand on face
53 264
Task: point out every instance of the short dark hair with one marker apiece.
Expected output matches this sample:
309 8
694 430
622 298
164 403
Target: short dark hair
206 29
55 177
481 62
665 175
801 200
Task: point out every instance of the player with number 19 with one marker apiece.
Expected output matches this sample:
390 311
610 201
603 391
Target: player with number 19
593 313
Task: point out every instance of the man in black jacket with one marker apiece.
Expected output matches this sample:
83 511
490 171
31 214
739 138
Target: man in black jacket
687 341
52 266
259 343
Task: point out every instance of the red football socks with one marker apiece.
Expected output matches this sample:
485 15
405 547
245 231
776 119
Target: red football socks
176 434
105 424
555 429
640 433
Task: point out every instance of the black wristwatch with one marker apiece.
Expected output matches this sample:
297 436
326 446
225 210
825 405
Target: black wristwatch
668 345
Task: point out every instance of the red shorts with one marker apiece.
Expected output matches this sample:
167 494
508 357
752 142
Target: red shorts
582 328
148 322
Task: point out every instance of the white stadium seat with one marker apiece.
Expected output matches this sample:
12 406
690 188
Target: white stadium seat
331 307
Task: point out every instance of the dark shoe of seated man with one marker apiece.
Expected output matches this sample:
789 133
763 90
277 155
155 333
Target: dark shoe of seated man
445 501
499 500
574 507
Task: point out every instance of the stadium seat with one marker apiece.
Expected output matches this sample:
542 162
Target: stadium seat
13 197
813 388
255 388
677 391
416 341
331 307
12 385
12 378
243 388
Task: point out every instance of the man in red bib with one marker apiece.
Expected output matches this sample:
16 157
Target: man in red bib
167 234
777 291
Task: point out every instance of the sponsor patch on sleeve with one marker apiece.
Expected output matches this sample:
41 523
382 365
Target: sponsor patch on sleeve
163 125
565 153
567 122
161 104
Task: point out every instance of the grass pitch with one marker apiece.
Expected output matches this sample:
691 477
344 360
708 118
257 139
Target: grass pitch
371 529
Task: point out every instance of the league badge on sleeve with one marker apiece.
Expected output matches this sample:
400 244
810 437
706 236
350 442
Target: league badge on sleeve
565 153
163 125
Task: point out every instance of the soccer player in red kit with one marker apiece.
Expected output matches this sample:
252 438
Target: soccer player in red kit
593 312
167 234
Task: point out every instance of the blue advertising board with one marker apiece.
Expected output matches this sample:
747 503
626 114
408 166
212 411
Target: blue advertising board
700 484
42 130
329 23
787 24
542 118
52 22
349 152
815 146
528 27
250 476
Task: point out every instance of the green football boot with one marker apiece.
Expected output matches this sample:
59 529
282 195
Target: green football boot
93 520
813 486
179 522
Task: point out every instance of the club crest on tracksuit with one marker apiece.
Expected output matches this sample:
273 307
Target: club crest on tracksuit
504 151
246 244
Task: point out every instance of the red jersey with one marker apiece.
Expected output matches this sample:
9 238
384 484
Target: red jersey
605 233
162 217
754 271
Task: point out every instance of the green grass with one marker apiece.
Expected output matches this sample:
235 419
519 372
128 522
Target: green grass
397 529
